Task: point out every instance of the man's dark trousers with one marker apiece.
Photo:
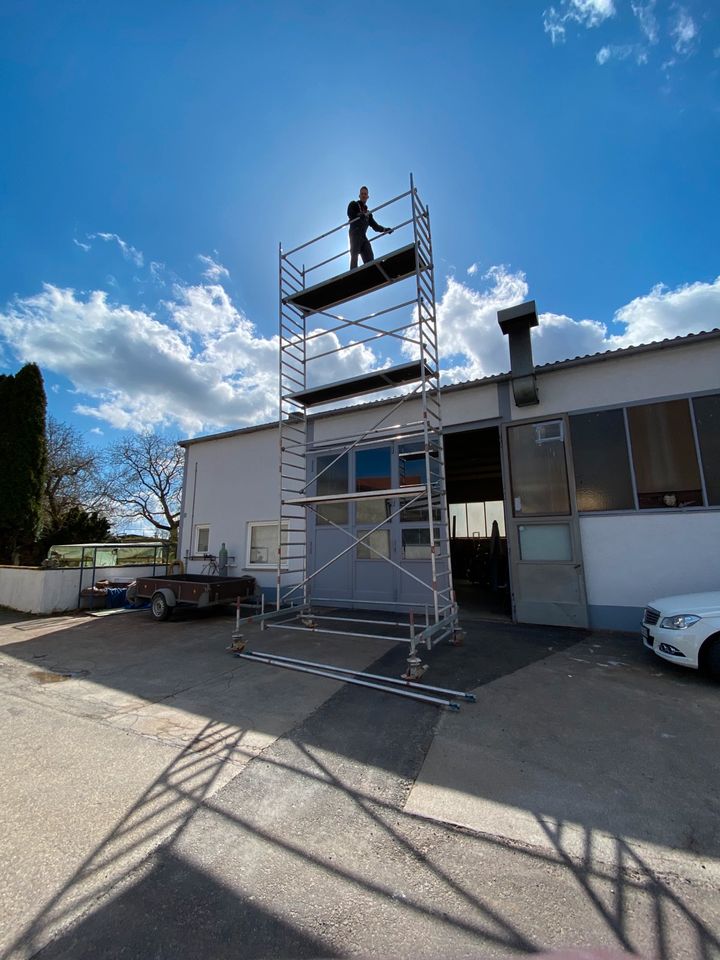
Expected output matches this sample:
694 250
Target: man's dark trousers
360 244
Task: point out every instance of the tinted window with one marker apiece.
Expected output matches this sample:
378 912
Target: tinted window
332 478
372 472
707 421
600 457
663 452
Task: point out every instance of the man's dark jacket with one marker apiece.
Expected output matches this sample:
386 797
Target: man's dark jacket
358 212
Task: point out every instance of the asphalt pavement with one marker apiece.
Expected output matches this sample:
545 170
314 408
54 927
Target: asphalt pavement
166 800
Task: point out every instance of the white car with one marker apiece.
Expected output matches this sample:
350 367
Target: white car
685 630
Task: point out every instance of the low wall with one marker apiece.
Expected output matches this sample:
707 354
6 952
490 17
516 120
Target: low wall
37 590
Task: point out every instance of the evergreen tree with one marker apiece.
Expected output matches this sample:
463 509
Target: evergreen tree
22 460
75 526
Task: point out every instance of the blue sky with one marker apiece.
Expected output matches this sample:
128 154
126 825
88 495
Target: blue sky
156 154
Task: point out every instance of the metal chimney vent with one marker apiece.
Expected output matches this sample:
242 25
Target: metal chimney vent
515 323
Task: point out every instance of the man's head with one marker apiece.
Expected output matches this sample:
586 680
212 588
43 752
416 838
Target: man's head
364 194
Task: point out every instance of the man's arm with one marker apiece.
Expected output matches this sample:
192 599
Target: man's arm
376 226
353 210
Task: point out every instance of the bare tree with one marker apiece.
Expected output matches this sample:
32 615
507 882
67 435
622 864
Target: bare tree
144 478
73 479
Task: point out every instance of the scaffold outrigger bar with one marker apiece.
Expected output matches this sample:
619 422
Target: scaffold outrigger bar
374 681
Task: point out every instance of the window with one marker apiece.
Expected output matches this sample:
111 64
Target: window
416 543
476 519
539 474
332 479
372 472
663 452
202 539
707 421
545 541
262 544
412 471
416 510
600 457
379 540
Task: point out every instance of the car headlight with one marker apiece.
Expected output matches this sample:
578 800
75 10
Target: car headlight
679 622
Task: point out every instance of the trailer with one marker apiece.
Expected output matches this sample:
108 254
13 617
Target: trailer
191 589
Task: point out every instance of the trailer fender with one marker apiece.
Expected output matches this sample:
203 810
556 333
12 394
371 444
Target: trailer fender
162 603
204 599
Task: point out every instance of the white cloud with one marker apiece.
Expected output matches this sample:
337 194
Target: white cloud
591 12
213 270
470 341
199 364
139 372
622 51
473 269
129 252
603 55
684 32
156 272
663 313
97 431
472 345
587 13
554 26
83 246
645 13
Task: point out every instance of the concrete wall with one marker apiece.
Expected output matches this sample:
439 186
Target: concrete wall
33 590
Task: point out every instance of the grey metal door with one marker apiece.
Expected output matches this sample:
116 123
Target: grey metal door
546 570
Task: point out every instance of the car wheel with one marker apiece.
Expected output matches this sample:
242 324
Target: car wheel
161 609
711 656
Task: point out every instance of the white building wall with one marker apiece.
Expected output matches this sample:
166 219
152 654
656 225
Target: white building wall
629 558
640 377
472 405
354 422
230 481
633 557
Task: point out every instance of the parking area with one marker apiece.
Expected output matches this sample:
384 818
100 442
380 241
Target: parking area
165 798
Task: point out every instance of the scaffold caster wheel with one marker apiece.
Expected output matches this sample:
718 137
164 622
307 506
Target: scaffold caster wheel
309 623
238 643
415 669
458 638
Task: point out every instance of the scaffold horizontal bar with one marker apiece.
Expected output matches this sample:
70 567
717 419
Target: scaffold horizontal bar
344 633
362 495
342 226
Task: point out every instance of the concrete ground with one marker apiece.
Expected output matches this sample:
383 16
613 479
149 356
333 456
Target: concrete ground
163 799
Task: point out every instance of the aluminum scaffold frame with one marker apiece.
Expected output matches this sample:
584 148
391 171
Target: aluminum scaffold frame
306 339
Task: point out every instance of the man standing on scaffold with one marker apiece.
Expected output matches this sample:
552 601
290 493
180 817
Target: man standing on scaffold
360 219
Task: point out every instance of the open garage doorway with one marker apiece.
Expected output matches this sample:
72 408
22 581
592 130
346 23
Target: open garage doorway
478 543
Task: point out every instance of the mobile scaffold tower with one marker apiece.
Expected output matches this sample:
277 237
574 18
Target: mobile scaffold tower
313 338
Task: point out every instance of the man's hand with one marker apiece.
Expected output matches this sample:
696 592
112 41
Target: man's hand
388 229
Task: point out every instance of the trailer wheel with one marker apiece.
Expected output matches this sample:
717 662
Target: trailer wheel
161 609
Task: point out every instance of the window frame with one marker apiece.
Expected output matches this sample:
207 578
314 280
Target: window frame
254 565
689 397
196 538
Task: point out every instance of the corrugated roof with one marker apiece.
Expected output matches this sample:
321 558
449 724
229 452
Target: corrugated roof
497 377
